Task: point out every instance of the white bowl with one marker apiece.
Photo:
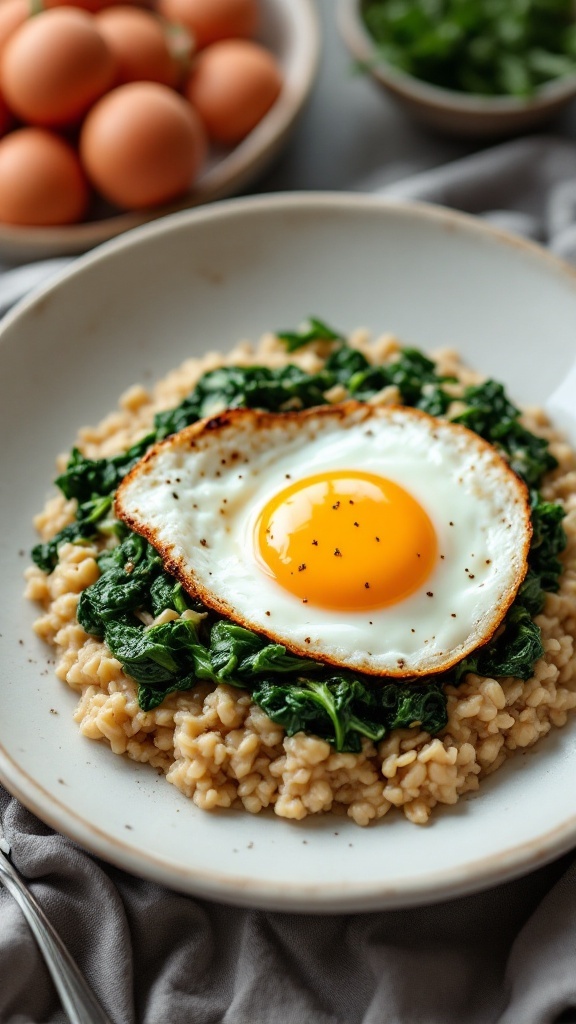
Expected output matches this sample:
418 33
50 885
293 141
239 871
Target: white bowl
133 309
290 30
454 113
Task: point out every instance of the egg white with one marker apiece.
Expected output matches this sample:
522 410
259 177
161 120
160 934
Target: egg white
197 496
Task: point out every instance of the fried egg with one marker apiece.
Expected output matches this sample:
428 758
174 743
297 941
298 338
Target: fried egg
374 538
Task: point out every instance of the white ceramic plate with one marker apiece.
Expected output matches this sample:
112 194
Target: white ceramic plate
197 281
290 30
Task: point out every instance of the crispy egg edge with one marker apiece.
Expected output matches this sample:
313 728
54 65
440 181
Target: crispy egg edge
361 412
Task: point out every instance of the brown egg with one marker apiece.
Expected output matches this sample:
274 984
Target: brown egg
142 145
13 13
139 44
232 85
211 20
55 66
41 181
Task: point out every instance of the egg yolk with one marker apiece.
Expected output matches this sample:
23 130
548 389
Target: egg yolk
346 540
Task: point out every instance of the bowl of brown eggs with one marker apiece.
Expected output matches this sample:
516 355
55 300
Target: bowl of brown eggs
113 114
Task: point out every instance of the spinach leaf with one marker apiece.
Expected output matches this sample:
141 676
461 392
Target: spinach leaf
342 710
84 528
159 657
112 596
92 482
513 652
128 572
254 387
324 708
548 540
490 414
166 593
159 654
311 330
531 595
239 653
150 697
488 47
344 363
85 478
412 373
415 704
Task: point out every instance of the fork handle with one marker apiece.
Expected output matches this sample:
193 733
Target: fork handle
77 998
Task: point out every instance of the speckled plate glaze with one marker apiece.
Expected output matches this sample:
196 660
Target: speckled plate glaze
199 280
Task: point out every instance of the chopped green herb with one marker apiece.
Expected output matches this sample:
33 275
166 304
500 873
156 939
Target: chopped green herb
489 47
311 330
492 415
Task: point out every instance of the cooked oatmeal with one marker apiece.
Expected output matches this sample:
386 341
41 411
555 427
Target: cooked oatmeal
217 746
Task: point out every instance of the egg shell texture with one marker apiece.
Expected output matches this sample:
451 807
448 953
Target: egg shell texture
138 41
232 85
13 13
211 20
197 496
55 66
41 181
142 145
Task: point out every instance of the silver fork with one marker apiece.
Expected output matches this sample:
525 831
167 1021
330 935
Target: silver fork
76 997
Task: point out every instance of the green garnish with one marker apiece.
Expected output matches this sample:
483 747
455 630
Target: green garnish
487 47
311 330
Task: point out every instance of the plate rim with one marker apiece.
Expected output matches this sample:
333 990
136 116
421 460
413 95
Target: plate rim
328 898
450 218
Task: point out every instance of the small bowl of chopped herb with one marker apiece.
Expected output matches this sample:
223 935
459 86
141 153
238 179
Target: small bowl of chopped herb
476 68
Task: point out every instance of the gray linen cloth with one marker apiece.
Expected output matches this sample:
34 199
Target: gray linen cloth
505 956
